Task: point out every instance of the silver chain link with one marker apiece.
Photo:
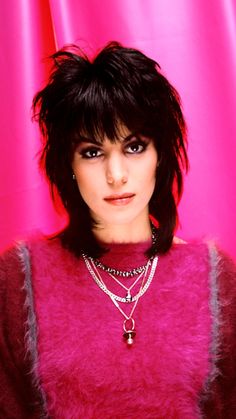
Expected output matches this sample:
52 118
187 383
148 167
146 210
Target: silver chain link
103 287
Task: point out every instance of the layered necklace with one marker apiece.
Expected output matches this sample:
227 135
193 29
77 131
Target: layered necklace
143 276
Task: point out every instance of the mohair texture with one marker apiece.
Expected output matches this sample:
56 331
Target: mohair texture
19 398
182 358
81 352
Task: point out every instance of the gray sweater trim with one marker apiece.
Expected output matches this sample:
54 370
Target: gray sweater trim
215 309
214 303
31 335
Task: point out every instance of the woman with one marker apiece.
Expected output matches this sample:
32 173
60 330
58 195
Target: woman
114 317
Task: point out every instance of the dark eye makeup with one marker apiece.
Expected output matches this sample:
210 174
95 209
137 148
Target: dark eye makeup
131 145
136 145
90 152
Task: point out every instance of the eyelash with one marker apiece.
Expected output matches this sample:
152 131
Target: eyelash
137 144
85 153
94 152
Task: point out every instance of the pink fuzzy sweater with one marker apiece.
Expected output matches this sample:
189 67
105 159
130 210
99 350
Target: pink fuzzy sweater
62 351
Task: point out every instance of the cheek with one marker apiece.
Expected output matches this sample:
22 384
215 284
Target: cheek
85 187
150 179
89 186
151 170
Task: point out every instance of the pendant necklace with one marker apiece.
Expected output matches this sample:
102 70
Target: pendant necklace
129 331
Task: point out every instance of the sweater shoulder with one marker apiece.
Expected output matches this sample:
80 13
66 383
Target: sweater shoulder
207 250
11 279
18 397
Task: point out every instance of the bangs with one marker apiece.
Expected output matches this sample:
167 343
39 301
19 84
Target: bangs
103 108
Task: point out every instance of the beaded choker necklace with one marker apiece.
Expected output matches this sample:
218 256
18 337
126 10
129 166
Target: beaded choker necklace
125 274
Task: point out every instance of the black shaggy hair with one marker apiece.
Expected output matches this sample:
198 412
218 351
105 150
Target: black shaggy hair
93 97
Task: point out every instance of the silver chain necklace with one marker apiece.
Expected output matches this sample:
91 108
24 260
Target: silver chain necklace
129 323
128 297
99 281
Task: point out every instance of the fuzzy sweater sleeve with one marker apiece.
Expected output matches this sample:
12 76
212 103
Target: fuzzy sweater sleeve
221 400
18 399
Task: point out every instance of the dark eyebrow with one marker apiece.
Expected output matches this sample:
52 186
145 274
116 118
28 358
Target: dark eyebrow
129 137
89 140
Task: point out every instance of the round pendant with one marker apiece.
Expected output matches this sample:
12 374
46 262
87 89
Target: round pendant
129 331
129 337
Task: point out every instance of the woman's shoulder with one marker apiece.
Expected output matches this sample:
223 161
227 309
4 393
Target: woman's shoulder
14 317
194 251
36 242
17 258
10 267
206 246
221 265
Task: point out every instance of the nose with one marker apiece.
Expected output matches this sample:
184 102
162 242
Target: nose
116 170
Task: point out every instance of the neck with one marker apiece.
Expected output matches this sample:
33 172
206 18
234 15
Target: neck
124 233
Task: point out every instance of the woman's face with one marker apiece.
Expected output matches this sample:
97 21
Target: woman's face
116 180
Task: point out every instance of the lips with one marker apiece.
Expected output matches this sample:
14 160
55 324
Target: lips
119 199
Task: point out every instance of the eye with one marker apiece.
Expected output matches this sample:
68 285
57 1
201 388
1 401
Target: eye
136 147
91 153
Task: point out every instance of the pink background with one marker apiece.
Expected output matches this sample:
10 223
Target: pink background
195 44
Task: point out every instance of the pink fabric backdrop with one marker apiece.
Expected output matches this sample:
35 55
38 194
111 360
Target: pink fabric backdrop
195 43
